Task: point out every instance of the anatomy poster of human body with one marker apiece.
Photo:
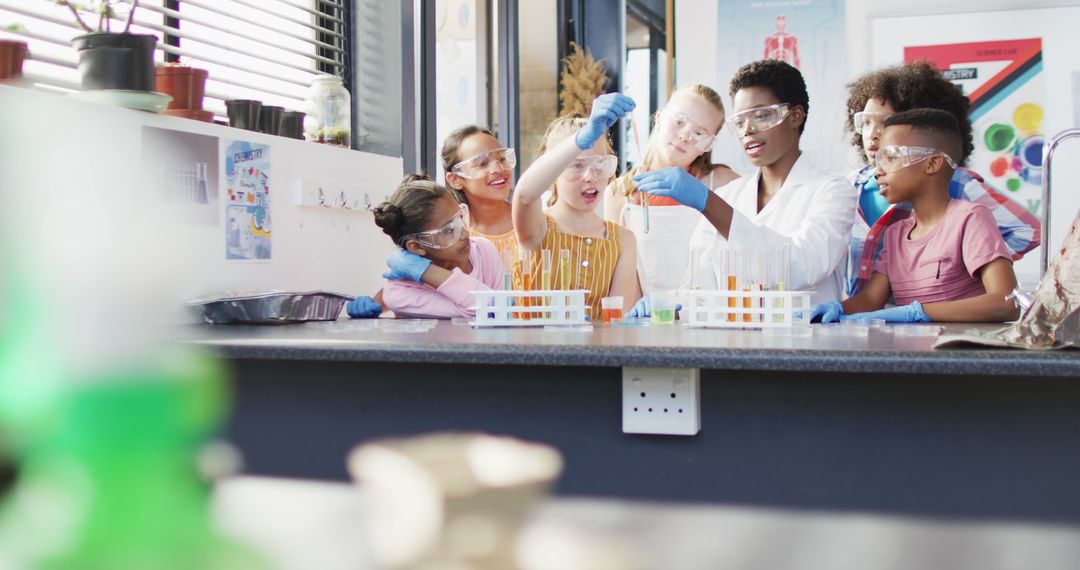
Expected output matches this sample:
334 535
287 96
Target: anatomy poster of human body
808 34
247 209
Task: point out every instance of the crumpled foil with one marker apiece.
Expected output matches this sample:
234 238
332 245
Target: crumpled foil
1052 319
269 306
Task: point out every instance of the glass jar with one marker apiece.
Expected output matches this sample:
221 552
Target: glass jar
329 112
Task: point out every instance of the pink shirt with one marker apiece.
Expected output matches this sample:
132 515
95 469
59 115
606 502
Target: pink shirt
454 297
942 265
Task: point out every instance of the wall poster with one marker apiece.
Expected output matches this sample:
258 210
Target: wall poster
809 35
1005 83
247 201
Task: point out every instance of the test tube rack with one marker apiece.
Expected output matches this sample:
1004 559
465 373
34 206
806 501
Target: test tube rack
745 309
507 308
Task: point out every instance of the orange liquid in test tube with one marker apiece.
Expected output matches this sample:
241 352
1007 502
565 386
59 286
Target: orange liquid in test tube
732 285
527 282
747 303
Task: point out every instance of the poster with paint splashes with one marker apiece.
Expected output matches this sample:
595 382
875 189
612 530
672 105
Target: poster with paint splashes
1005 83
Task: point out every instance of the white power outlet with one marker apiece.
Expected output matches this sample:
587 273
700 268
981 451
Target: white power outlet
665 401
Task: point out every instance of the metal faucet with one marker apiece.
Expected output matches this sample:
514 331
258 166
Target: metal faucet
1048 153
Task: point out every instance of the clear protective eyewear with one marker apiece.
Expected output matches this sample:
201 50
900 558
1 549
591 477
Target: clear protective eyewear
893 157
866 122
759 119
700 137
448 234
601 165
502 159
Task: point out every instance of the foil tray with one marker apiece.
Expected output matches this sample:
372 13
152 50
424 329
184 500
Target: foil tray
269 307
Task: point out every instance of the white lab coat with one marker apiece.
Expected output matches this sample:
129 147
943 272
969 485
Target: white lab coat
663 257
813 213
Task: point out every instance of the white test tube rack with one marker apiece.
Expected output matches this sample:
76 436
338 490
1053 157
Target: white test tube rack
506 308
745 309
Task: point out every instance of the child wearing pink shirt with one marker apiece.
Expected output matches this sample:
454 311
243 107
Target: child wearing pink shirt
439 265
948 261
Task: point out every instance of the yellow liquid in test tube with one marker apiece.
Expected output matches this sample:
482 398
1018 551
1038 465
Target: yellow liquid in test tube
732 285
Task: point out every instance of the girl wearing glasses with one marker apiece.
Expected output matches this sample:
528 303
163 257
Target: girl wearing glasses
683 137
576 163
874 98
438 264
481 174
786 204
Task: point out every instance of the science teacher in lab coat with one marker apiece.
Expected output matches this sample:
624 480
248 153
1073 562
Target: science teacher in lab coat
785 202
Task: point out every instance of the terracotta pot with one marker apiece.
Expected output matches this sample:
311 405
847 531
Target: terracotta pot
186 85
12 54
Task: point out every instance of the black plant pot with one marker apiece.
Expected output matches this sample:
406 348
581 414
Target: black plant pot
116 61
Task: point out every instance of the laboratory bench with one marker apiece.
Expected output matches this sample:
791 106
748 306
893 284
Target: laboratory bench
878 423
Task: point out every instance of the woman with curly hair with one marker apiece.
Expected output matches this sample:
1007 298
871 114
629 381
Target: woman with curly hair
872 99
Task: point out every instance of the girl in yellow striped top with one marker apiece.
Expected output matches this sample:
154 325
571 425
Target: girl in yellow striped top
576 162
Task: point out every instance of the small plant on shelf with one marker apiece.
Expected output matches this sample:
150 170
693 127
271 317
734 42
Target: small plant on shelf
105 12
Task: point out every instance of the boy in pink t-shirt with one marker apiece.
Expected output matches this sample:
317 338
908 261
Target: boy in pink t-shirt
947 262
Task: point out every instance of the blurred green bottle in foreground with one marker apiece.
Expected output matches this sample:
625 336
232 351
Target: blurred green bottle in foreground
116 484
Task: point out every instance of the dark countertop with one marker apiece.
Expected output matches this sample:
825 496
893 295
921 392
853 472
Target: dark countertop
443 342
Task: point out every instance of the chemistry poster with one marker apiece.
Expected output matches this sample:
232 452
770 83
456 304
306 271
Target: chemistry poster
247 201
1004 81
808 34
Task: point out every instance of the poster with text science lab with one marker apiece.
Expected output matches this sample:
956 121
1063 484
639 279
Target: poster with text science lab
1004 81
247 199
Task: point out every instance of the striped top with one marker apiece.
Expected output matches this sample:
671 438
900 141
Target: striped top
507 245
591 263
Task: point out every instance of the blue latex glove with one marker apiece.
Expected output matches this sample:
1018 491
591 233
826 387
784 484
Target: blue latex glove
675 183
363 307
606 109
912 313
643 308
827 312
405 265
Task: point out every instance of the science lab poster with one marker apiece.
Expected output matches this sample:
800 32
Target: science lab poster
1005 82
247 201
808 34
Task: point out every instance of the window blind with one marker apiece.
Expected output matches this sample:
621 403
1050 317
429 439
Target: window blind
268 50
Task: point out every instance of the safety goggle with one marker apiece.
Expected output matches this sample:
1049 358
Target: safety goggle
866 122
498 160
759 119
602 166
700 137
446 235
892 158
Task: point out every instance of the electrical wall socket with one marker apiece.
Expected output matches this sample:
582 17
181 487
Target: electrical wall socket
665 401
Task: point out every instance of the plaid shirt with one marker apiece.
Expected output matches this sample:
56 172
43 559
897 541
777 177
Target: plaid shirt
1021 229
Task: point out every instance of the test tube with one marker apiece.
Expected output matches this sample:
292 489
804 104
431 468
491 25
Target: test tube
643 195
781 263
545 269
746 278
695 267
761 277
726 261
508 270
564 270
527 284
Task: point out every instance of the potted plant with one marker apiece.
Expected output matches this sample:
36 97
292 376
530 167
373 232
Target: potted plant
187 86
107 59
12 54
